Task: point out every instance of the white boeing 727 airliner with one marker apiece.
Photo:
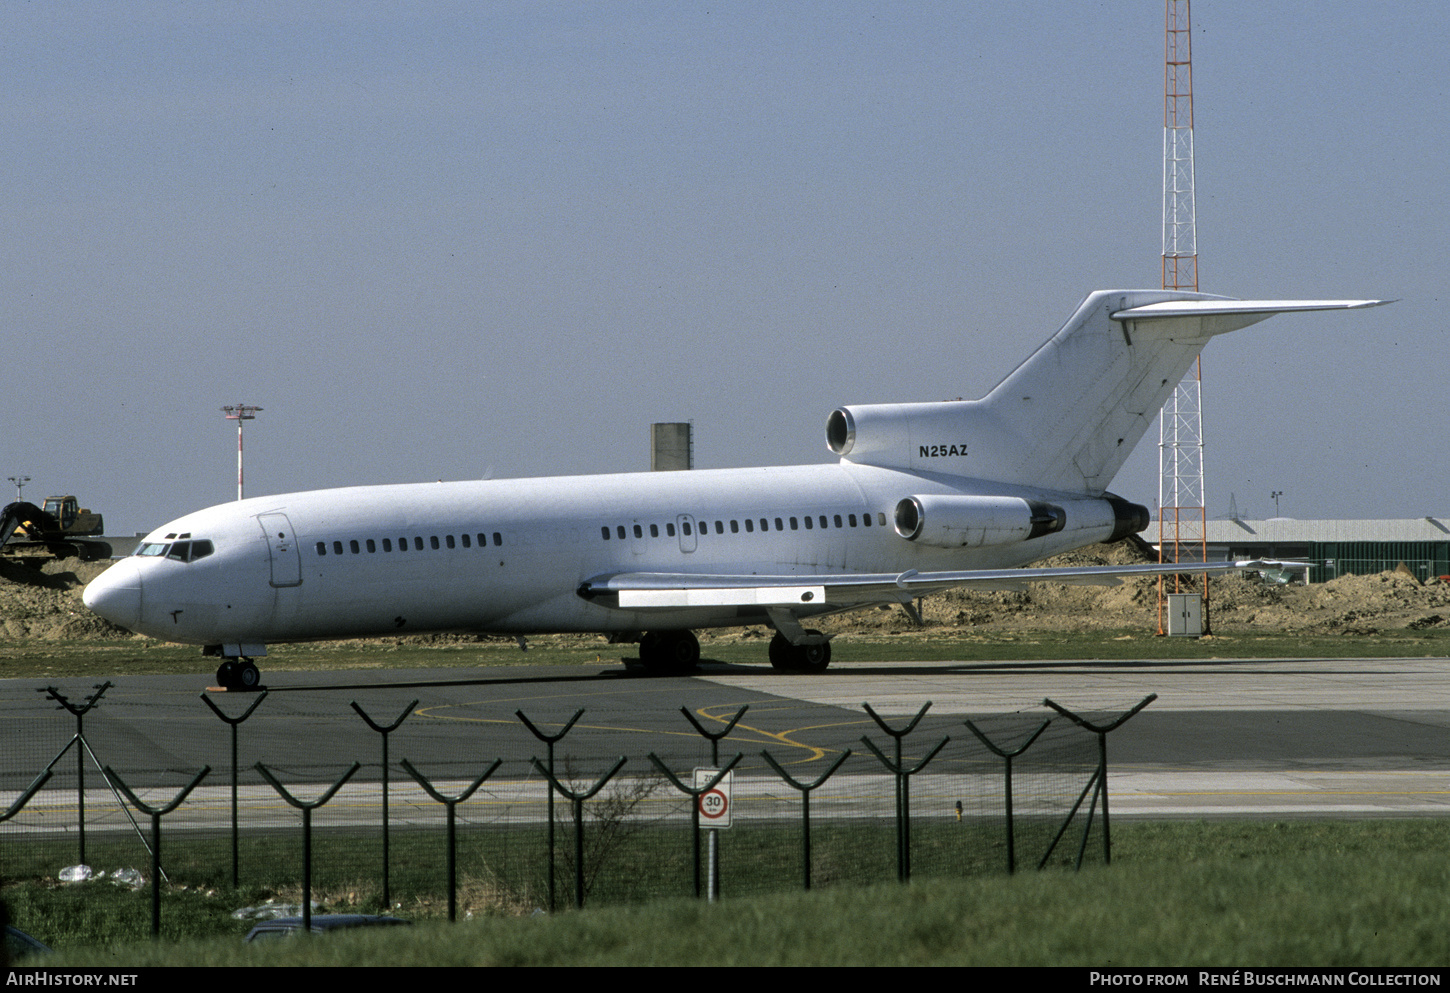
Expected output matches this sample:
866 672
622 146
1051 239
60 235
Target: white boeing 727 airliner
925 497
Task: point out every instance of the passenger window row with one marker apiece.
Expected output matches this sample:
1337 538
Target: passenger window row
702 527
371 545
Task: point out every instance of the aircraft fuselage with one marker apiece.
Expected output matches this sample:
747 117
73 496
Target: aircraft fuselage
926 497
509 556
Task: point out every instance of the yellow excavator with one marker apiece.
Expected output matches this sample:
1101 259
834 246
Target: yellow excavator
60 529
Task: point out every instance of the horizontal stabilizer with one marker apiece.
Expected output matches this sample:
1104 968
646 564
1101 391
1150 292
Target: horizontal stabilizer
1210 308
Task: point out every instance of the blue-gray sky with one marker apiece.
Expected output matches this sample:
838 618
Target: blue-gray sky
444 240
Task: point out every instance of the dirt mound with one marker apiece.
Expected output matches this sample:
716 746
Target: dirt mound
1348 605
44 601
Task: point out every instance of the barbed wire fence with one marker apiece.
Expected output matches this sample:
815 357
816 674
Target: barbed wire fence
949 804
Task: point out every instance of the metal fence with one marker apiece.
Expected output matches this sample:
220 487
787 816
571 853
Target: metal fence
505 807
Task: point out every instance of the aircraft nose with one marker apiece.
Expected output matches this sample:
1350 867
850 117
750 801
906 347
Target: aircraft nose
116 595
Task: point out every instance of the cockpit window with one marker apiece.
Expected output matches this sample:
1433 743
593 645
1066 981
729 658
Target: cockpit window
178 551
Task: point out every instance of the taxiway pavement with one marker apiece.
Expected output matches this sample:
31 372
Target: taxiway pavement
1225 738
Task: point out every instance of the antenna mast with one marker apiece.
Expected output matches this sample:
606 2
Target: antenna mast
241 413
1182 514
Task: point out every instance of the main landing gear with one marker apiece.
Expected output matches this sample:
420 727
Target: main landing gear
809 657
669 653
794 648
677 653
238 674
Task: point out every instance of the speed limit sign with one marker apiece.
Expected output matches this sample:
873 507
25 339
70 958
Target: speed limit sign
714 803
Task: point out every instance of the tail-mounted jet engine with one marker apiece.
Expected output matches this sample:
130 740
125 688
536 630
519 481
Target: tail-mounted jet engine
973 521
961 521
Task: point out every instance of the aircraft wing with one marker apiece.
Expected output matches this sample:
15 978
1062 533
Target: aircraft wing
659 590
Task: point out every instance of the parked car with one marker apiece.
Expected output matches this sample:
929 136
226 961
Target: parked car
282 927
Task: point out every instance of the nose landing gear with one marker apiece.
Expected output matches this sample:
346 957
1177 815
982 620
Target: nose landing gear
239 674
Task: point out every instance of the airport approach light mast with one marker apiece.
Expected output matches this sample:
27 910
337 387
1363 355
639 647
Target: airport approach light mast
240 413
1182 503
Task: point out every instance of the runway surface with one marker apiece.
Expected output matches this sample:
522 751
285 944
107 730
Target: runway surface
1233 737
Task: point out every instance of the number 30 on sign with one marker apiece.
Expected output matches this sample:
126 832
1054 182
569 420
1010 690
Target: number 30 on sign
714 803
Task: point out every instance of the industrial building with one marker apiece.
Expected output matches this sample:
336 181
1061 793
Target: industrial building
1337 548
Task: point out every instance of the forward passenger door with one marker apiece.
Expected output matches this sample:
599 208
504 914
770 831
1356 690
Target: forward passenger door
282 544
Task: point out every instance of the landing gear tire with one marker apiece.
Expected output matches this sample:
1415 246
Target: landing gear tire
799 658
780 653
248 678
226 674
238 674
669 653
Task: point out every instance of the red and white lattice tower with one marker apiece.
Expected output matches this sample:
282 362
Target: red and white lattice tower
1182 517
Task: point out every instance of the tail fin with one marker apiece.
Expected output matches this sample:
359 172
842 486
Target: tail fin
1067 417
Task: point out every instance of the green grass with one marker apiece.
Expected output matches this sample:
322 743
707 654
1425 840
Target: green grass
502 871
1224 894
1219 893
62 659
